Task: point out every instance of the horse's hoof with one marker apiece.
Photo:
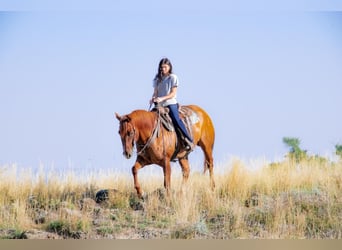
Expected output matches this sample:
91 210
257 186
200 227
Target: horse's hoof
136 202
143 196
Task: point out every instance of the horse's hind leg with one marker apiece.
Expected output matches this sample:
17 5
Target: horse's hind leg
210 166
167 177
208 162
184 163
185 168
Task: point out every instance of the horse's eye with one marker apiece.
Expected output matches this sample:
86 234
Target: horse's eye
129 133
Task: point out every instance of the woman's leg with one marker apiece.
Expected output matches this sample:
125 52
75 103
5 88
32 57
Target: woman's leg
177 121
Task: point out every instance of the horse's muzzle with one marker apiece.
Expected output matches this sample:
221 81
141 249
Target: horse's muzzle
127 154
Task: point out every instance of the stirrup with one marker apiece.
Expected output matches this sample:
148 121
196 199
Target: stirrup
189 145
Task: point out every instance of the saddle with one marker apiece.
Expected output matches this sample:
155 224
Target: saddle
188 117
184 113
165 119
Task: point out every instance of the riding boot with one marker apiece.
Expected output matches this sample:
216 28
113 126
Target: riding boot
189 145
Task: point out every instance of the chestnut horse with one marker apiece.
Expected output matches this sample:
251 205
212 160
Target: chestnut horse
157 145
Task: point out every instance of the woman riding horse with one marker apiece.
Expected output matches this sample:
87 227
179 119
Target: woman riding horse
165 86
157 145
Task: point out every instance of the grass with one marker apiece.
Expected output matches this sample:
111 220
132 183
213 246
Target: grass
285 200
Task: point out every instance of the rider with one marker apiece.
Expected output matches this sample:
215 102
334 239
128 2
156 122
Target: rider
165 86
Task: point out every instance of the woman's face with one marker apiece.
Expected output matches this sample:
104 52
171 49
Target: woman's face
165 69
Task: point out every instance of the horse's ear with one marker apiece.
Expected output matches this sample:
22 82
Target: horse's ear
123 118
117 116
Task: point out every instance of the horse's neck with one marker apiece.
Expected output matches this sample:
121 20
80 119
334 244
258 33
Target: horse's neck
145 124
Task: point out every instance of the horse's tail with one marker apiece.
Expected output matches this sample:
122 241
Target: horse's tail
207 137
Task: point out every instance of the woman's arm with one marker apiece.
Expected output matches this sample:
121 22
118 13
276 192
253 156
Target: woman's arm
172 94
154 95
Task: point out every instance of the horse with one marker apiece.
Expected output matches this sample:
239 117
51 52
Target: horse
157 145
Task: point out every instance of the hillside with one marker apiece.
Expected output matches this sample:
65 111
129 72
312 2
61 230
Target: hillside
285 200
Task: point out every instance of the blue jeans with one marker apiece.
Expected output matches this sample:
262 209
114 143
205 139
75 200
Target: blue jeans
177 122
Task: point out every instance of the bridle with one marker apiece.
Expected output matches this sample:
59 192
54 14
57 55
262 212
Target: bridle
153 135
131 135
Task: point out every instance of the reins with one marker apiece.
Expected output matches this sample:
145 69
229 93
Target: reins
164 151
152 137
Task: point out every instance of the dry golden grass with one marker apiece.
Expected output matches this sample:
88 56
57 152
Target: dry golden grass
280 200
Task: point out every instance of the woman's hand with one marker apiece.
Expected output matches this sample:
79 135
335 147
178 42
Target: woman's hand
157 99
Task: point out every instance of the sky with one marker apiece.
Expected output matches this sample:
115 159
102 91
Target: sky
261 73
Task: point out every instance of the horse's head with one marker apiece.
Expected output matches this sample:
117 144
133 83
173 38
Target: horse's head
127 134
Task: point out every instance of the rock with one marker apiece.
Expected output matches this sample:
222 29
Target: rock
104 195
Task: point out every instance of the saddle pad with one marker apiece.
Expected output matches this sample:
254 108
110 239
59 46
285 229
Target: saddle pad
190 114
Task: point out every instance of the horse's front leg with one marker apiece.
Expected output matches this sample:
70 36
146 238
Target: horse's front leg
135 169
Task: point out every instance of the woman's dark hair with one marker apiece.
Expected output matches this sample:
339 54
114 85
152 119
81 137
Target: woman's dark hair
159 73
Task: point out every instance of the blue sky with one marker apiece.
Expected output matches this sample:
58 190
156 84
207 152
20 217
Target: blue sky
260 74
